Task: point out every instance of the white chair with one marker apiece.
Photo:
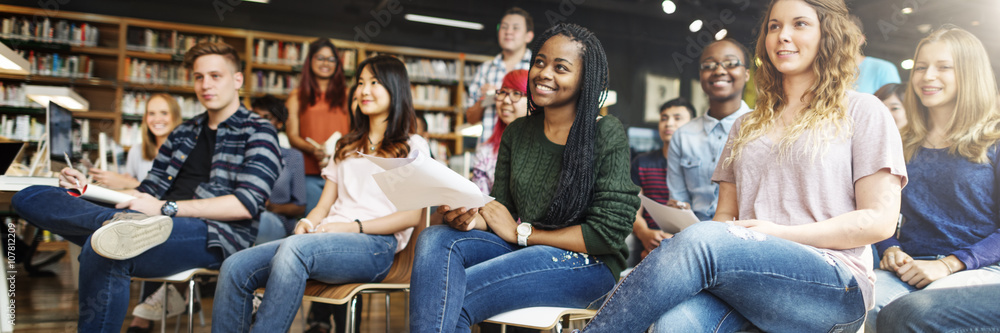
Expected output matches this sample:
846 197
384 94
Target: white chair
543 318
193 294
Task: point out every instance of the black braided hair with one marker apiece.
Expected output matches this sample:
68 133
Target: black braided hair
576 180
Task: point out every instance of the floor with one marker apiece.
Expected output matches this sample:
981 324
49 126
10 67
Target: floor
48 303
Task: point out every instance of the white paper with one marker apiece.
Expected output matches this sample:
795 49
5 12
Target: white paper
99 194
669 219
418 182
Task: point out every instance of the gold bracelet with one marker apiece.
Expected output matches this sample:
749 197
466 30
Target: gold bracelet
950 271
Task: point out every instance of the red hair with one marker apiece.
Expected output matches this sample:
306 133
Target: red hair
517 80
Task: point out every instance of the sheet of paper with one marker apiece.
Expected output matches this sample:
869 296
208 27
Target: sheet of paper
418 182
99 194
669 219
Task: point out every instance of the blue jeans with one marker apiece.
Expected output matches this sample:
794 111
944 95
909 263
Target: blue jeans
104 283
461 278
714 278
284 266
314 188
951 310
271 228
888 287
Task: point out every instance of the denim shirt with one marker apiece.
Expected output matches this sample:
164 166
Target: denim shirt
694 151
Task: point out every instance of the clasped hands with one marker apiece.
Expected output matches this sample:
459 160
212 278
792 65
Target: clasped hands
917 273
493 215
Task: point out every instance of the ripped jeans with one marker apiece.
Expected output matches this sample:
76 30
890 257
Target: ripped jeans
713 277
461 278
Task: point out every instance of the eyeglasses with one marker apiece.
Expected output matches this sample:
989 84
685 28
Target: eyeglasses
728 64
514 95
326 59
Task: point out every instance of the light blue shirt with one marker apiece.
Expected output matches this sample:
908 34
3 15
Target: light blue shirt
694 151
873 73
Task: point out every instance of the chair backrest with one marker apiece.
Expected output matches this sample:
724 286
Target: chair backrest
402 263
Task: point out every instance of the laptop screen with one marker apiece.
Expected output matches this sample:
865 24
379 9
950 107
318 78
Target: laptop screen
60 128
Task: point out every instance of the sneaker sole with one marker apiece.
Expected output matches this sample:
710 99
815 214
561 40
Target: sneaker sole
126 239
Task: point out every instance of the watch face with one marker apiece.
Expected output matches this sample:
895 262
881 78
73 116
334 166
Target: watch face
523 229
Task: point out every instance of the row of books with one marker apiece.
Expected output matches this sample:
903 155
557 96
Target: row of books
163 41
54 64
437 122
272 82
279 52
44 30
431 95
157 72
21 128
422 69
12 94
134 103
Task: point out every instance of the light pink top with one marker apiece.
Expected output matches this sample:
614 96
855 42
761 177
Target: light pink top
800 190
358 196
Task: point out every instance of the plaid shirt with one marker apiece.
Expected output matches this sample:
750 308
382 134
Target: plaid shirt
491 73
245 163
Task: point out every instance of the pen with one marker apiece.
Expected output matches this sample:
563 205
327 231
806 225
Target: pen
70 164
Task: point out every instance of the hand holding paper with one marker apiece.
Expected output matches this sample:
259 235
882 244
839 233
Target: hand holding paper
669 219
418 182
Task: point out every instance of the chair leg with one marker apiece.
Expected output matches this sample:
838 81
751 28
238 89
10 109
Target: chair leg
351 310
201 313
386 312
163 318
191 287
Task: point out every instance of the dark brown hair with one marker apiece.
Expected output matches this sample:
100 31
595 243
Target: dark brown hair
529 23
336 88
209 48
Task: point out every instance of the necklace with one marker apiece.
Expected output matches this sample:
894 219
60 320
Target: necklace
371 145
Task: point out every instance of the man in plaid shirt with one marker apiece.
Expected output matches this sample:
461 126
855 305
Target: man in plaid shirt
514 32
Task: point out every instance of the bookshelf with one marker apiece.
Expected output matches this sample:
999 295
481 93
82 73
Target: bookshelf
116 63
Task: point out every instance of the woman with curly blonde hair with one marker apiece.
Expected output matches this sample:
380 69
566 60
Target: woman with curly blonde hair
950 236
808 180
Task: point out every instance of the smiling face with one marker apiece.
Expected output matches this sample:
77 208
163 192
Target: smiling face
372 97
554 78
158 118
933 77
723 83
507 109
793 35
216 82
896 110
671 119
324 63
513 33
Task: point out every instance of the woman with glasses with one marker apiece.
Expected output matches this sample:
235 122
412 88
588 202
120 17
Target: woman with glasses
510 105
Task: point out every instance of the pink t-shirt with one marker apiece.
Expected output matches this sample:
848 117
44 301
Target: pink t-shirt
798 189
358 196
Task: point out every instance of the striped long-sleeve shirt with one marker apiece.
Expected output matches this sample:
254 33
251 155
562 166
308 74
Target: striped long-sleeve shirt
245 163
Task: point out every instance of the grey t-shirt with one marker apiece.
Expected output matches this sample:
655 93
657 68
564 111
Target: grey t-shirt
798 189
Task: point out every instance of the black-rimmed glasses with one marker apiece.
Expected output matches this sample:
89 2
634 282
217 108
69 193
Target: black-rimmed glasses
514 95
727 64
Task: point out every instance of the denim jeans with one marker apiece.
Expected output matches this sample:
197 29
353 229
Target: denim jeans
314 188
713 277
104 283
271 228
461 278
888 287
283 267
945 310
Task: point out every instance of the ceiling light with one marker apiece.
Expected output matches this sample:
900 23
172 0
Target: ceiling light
907 10
695 26
258 1
924 28
669 7
721 34
443 21
907 64
64 96
11 62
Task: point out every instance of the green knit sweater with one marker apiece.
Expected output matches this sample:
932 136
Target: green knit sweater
527 174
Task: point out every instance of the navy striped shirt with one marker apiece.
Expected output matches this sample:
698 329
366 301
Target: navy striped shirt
245 163
649 171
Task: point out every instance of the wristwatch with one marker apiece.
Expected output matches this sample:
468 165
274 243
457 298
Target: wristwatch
523 231
169 208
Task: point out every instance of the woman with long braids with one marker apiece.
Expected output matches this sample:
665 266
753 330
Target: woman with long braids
555 235
807 181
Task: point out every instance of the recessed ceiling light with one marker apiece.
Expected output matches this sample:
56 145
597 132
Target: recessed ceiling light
259 1
907 10
444 21
669 7
721 34
907 64
695 26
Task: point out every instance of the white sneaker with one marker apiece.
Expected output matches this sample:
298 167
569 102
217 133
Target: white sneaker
129 235
152 308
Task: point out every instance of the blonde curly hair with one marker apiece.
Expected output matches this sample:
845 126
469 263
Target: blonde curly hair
835 68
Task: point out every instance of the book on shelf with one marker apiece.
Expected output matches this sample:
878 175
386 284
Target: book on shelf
164 41
54 64
278 52
437 122
44 30
157 72
427 95
271 82
12 94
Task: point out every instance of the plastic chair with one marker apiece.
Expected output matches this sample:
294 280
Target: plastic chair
542 318
193 294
